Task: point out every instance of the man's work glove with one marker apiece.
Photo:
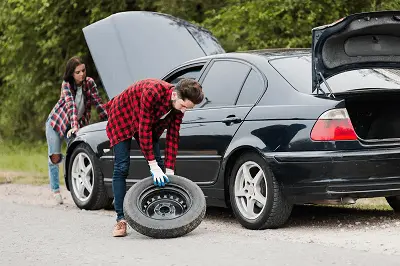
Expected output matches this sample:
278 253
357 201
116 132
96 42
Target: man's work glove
159 178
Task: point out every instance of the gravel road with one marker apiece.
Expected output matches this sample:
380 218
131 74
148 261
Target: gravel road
34 231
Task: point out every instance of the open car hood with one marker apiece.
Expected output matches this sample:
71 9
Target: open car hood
134 45
363 40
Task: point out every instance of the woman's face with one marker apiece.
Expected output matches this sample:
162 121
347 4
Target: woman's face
80 73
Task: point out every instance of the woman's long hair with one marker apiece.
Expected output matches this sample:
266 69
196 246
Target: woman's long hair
72 63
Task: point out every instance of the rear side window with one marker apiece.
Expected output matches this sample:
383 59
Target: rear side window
252 89
222 83
297 71
188 73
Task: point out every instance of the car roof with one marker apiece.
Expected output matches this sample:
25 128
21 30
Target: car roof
268 54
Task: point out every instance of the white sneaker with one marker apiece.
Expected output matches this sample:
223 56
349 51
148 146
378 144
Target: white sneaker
58 198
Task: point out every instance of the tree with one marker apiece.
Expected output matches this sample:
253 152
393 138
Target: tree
257 24
36 39
38 36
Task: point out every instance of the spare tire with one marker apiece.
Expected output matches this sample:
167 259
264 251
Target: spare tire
165 212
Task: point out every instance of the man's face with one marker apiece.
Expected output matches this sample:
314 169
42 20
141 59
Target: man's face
181 105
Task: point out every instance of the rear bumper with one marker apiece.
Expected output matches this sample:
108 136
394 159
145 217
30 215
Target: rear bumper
313 176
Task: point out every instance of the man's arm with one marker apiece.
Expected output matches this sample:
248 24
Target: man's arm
148 100
146 117
172 142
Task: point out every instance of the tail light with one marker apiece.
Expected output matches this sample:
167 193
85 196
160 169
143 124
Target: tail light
333 125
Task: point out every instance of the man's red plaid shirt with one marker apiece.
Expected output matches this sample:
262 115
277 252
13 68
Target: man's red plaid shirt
136 112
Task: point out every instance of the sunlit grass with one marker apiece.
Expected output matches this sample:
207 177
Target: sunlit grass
25 163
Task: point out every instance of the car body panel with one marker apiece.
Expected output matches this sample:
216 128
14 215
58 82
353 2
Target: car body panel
320 175
134 45
204 141
363 40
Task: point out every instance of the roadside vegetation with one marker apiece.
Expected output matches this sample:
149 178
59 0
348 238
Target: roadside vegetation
24 163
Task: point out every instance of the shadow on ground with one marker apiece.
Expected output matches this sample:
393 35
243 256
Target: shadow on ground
319 215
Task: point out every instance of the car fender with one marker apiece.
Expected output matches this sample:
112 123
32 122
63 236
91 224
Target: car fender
92 142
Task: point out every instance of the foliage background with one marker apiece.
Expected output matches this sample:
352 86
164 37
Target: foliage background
38 36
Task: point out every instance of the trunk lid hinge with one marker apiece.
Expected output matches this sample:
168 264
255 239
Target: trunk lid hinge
326 84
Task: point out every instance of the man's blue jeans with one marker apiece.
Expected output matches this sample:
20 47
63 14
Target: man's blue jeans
121 170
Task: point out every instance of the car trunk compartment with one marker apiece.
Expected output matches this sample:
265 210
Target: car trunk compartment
375 115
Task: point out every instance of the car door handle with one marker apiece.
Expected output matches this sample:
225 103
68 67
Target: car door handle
231 119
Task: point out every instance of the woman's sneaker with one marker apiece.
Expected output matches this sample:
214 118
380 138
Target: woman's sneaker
58 198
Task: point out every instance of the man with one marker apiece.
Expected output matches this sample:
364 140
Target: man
143 111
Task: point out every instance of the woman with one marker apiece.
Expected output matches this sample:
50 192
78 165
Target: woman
71 112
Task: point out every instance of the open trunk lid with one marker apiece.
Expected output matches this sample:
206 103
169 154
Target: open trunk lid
359 41
134 45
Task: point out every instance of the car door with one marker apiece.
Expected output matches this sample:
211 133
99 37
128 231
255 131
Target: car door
208 129
139 168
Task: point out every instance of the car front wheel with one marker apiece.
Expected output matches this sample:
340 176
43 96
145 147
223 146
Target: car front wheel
86 180
256 198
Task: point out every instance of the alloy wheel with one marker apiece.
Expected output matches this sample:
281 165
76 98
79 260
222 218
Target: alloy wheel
82 176
250 190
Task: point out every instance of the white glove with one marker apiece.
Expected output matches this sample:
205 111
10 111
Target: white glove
169 171
71 131
159 178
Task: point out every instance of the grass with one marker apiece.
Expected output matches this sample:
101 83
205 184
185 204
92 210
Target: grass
374 204
25 163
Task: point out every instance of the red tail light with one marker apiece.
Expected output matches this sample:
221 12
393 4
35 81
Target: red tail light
333 125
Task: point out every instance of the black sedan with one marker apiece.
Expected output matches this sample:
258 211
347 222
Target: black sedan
277 127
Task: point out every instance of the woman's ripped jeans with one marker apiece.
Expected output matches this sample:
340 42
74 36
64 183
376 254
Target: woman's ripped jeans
54 156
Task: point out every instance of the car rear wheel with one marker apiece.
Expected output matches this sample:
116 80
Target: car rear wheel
256 198
86 180
394 202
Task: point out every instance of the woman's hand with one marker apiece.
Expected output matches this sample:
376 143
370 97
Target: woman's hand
72 131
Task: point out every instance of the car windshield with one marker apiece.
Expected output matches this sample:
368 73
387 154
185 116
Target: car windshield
297 71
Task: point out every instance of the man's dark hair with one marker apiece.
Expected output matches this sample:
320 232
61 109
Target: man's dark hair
189 89
72 63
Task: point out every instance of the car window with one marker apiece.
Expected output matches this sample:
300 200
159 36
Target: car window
252 89
189 73
222 83
297 71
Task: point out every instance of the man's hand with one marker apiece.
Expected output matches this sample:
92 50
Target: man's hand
159 178
169 171
72 131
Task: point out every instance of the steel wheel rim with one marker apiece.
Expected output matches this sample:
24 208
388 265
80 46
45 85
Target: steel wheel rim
167 203
82 176
250 190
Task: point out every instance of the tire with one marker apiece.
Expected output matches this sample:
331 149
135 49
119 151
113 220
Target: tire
97 198
394 202
270 209
174 210
109 205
